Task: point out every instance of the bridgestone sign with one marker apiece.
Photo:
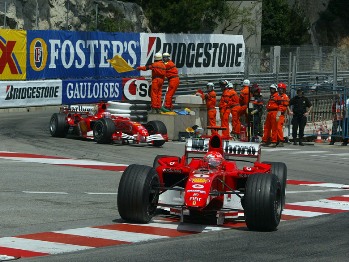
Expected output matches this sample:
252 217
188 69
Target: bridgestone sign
197 54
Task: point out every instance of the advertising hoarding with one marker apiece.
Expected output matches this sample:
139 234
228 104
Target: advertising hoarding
66 54
30 93
13 54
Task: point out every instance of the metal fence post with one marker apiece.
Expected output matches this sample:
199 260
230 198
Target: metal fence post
289 69
247 63
5 13
335 64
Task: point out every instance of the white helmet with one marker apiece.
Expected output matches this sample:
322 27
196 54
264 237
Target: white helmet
210 86
246 82
158 56
230 85
273 86
165 55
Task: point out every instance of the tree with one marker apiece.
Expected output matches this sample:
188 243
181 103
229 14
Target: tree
282 25
241 18
183 16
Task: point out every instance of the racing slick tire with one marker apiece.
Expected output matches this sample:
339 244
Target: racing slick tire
58 125
156 127
138 193
263 202
280 170
103 130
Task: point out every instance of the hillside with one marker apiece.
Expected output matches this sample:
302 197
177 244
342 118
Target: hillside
328 18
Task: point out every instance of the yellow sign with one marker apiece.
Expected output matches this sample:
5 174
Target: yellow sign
13 54
199 180
120 65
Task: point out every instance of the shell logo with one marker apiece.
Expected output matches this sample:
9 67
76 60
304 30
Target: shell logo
38 54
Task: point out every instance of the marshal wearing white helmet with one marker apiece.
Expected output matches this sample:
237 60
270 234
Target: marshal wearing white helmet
158 69
173 82
157 57
270 133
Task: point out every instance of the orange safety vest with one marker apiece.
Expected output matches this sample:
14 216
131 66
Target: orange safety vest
283 102
158 69
244 96
171 70
210 99
272 104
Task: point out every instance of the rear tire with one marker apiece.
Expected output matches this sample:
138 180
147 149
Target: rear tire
156 127
263 202
280 170
58 125
103 130
138 193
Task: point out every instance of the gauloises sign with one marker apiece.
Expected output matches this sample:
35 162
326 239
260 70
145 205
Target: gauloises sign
197 53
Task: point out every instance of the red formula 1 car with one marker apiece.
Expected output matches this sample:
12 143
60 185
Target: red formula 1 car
95 122
207 180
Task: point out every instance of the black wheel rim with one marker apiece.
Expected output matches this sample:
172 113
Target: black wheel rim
278 204
153 196
53 125
98 130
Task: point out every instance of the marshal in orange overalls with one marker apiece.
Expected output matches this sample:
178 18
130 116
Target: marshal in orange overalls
283 103
173 82
241 108
210 100
224 110
158 69
270 125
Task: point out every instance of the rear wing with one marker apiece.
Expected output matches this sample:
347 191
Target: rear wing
229 147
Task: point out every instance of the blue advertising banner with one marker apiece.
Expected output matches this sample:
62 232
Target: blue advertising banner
91 91
66 54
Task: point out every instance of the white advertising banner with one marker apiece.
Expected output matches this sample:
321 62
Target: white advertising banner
196 53
30 93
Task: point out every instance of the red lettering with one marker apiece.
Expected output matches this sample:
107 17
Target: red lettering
6 57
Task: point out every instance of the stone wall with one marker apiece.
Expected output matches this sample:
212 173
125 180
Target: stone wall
54 14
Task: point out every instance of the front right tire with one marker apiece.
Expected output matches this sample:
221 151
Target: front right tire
138 193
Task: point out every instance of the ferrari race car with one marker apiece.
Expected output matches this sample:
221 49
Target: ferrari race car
207 180
95 122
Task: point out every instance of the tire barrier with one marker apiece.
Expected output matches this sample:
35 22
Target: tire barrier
136 111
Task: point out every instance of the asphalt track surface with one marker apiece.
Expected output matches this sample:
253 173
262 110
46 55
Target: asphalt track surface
58 203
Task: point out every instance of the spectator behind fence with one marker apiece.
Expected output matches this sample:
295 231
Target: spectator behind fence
301 107
338 115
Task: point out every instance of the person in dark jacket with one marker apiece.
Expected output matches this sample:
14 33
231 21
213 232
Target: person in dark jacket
301 107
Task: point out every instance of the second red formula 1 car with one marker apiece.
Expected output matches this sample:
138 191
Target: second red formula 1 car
207 179
95 122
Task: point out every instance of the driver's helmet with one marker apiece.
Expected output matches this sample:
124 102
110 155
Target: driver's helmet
213 159
106 115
